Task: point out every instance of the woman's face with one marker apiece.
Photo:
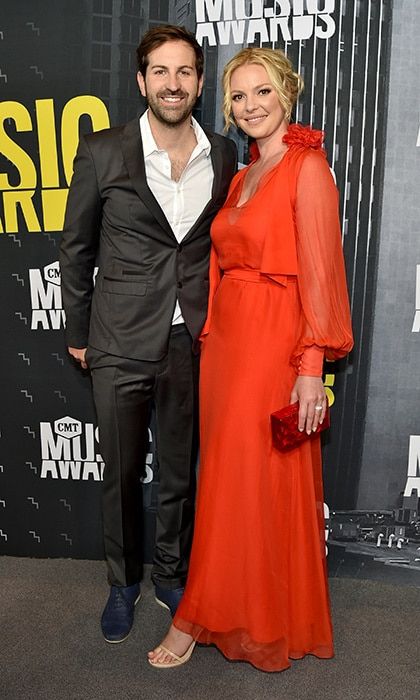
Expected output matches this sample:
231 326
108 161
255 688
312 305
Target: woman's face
255 105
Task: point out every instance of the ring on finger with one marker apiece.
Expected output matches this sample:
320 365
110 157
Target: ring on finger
318 408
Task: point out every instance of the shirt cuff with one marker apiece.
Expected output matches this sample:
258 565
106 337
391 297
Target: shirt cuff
312 361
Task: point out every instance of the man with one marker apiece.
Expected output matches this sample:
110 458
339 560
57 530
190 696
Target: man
142 198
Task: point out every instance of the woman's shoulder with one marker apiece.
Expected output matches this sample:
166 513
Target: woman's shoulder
306 153
304 143
304 136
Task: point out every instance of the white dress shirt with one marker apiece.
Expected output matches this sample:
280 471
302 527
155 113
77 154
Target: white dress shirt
182 202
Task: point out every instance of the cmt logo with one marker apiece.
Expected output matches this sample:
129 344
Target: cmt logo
46 300
68 427
70 450
47 306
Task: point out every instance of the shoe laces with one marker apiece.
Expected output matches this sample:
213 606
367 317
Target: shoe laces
119 599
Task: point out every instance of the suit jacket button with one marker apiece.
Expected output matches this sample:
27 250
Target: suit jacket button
179 284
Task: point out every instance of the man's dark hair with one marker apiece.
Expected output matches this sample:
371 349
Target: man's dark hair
160 35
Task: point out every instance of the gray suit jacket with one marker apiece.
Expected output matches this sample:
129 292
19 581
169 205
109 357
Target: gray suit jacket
113 219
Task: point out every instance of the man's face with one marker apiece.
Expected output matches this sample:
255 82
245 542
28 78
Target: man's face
171 86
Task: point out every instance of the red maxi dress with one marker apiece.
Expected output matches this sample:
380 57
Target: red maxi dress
257 585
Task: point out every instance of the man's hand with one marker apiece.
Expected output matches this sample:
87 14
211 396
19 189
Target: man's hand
310 393
78 354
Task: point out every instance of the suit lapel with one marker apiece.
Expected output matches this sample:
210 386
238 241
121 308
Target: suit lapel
132 149
217 163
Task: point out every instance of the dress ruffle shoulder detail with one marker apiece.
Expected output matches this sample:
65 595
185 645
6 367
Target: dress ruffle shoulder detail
298 135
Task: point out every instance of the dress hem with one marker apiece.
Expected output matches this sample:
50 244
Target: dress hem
205 637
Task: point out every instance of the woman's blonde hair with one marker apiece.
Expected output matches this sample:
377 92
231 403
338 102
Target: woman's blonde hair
287 84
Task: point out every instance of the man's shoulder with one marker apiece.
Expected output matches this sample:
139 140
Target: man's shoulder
111 134
218 138
223 142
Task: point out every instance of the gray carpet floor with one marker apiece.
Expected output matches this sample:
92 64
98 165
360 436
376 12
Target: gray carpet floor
51 645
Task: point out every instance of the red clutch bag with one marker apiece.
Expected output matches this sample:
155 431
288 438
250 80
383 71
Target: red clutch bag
284 427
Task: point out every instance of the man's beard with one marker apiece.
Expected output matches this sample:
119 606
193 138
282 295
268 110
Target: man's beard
171 116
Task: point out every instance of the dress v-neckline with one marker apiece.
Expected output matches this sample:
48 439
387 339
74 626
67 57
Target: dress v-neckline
261 183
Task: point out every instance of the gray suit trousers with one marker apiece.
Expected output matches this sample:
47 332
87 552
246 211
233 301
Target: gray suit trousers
124 391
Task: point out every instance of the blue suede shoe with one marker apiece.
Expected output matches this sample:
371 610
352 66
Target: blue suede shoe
118 615
169 599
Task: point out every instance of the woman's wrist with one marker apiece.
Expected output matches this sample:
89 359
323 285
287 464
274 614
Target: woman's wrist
312 362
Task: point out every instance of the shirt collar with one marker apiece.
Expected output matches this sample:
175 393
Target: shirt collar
150 146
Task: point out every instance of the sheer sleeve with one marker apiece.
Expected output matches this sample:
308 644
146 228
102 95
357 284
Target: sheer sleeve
321 273
214 279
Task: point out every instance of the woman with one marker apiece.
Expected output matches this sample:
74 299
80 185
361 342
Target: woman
257 585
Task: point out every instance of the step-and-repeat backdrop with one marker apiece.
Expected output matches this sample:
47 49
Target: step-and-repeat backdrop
67 68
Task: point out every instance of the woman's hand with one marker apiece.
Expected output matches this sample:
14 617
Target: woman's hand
310 393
